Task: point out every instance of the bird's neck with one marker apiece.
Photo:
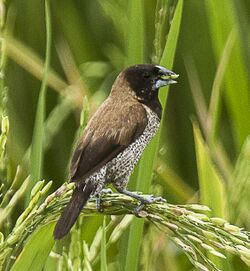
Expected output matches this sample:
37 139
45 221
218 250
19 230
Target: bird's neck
155 106
121 90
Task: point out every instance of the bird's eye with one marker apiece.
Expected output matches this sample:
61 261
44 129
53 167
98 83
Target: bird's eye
146 75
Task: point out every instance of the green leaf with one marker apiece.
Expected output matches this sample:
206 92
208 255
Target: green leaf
167 58
215 100
145 172
135 36
212 190
243 24
236 90
36 156
3 138
104 266
135 54
36 250
239 188
56 119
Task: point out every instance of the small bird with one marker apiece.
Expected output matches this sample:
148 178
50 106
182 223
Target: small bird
115 138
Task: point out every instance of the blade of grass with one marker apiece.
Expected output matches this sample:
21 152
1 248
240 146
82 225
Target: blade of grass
75 30
52 126
4 167
161 13
75 253
212 190
71 70
167 58
173 181
36 156
243 24
144 176
135 41
2 58
104 266
10 207
56 118
197 94
3 140
214 106
135 54
216 148
31 62
236 80
36 250
239 188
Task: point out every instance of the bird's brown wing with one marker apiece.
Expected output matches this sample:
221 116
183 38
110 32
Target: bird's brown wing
112 128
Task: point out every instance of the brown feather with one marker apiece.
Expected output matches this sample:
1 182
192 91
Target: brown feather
70 214
117 123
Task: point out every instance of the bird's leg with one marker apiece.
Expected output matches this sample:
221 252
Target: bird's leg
143 199
99 198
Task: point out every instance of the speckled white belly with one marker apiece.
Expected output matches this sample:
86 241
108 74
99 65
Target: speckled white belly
119 169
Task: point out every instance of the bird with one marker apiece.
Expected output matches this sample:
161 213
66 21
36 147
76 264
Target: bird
115 138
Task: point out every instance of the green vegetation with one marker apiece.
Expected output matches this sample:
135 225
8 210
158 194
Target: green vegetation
58 61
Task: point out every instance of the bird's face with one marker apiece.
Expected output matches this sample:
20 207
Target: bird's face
146 79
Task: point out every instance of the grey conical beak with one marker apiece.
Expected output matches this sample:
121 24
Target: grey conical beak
166 77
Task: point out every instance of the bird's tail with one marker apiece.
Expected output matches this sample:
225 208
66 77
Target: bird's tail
69 216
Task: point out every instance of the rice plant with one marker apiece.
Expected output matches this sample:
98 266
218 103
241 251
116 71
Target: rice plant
57 64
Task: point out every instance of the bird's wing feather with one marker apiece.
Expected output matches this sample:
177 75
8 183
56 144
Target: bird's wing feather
109 132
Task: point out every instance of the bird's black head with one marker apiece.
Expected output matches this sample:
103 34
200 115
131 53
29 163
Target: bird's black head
146 79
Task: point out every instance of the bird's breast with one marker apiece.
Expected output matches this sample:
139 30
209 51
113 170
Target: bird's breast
123 164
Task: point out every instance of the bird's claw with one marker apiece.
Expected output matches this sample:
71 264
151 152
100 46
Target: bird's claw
151 199
147 200
106 191
99 198
160 199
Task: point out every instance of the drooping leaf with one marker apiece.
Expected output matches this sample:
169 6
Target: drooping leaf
36 157
212 190
36 250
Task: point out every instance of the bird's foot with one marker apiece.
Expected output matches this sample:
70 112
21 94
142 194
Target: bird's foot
151 199
146 200
106 191
142 199
99 198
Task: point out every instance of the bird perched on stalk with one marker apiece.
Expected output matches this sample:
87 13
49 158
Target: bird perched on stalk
115 138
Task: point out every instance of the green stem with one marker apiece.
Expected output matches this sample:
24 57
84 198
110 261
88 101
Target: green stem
38 135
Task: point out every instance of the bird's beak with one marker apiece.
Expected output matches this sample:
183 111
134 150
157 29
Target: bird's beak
166 77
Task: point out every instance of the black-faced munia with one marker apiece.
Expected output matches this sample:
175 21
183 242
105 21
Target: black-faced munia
115 138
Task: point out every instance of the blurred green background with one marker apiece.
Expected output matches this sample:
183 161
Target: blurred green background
91 44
